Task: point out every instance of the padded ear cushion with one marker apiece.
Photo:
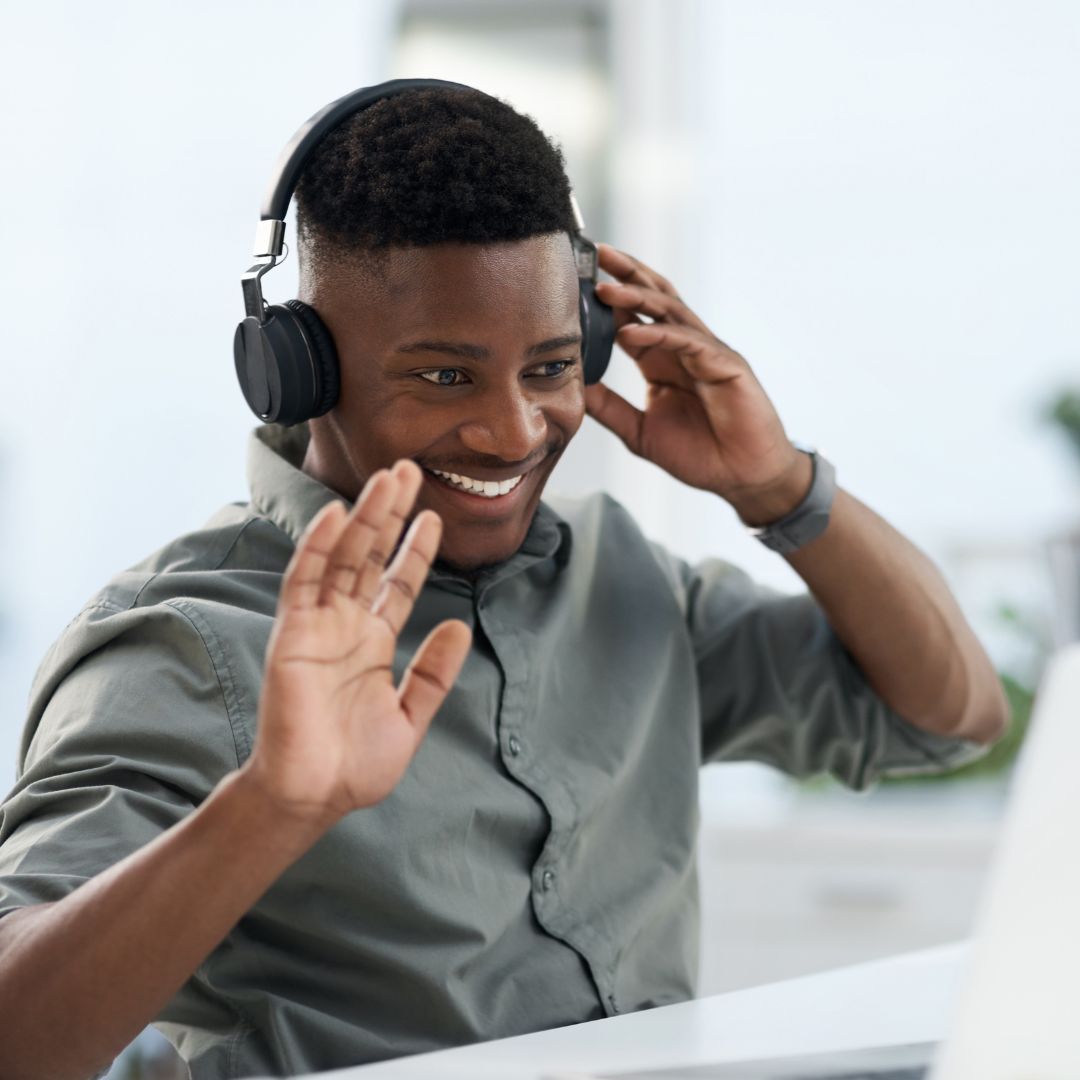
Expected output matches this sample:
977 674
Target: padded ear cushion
597 332
327 370
290 366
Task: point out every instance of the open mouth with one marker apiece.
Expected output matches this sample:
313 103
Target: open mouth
484 489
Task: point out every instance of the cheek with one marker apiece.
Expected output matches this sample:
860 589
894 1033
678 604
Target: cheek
569 411
369 403
375 433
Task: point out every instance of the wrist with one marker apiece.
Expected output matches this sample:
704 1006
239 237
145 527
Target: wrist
294 826
773 501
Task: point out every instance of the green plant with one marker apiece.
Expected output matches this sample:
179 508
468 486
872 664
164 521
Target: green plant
1064 411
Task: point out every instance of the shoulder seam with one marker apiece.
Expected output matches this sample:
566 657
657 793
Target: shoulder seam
226 684
216 566
101 604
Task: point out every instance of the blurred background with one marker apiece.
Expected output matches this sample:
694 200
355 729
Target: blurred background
875 203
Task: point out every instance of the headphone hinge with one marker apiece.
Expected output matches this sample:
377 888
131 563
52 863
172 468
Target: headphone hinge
251 285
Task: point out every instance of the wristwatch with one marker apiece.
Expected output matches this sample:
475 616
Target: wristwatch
809 519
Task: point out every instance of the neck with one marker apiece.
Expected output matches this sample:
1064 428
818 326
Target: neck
331 466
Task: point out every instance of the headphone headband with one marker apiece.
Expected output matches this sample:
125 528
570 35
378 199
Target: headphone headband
269 236
285 357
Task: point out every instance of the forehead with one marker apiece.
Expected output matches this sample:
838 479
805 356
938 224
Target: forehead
530 283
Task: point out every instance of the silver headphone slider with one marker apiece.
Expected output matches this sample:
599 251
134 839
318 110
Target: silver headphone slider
269 238
579 221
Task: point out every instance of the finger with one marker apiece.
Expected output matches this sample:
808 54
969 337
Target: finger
409 478
432 671
616 414
659 365
304 574
405 576
624 317
703 358
626 268
650 302
353 548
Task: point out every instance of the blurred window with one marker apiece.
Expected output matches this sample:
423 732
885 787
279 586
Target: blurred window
548 61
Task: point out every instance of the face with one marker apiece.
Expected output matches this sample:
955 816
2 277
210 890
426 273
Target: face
465 358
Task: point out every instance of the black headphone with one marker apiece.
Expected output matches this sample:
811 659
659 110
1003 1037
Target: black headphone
285 357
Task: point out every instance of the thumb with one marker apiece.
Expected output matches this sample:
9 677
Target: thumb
612 410
432 671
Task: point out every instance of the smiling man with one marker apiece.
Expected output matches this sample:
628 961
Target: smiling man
462 358
237 812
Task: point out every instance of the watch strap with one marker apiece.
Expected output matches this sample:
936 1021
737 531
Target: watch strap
810 518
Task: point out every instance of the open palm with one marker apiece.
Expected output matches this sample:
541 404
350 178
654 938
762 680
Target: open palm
335 734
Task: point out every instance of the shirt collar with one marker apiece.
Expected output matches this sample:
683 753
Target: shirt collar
279 490
290 498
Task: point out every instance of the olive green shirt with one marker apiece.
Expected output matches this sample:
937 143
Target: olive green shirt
536 864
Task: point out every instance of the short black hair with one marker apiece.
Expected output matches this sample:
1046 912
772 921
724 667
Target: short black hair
430 167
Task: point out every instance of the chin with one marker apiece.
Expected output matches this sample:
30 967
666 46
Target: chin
474 562
471 558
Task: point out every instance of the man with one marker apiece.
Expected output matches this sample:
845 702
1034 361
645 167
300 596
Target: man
232 815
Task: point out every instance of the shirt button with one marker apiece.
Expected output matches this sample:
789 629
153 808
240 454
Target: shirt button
547 879
514 744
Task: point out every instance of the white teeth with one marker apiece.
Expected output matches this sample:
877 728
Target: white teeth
489 489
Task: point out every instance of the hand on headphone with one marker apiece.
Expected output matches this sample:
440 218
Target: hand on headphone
707 421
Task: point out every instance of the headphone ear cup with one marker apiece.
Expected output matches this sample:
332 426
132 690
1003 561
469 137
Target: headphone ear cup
287 364
597 331
324 351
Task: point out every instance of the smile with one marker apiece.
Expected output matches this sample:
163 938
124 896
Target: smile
486 489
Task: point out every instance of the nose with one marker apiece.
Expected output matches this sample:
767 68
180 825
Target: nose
507 424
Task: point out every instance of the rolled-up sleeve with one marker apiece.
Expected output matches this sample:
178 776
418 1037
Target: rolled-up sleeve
777 686
127 732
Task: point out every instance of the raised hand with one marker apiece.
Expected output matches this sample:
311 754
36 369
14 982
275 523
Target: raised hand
707 420
335 734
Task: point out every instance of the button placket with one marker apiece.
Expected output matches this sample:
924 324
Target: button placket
511 659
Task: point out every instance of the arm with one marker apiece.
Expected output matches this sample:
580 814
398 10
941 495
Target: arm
708 422
81 976
894 613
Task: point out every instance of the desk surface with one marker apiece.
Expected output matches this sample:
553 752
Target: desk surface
900 999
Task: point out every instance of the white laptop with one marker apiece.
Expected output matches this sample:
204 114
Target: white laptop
1017 1015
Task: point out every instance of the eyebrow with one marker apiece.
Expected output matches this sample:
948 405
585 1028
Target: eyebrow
480 352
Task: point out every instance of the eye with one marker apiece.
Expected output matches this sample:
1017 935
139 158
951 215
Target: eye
446 376
554 368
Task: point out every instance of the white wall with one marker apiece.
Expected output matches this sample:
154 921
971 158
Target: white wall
138 140
875 203
883 220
